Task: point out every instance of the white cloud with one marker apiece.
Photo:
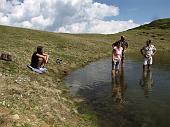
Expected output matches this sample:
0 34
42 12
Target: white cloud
26 24
98 26
62 16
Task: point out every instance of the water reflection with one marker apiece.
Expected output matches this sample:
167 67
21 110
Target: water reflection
146 82
115 105
118 87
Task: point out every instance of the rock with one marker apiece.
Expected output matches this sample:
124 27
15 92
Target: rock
58 80
15 117
3 103
75 111
44 125
59 61
6 57
58 91
28 120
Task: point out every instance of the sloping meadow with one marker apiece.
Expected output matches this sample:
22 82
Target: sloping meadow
30 99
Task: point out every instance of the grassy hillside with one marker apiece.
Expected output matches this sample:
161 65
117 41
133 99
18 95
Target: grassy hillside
31 100
39 99
160 24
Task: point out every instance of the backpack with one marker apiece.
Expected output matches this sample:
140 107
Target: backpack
6 57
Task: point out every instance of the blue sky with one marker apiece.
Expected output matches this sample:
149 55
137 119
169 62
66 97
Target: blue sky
140 11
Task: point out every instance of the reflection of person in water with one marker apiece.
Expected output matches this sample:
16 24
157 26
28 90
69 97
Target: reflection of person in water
146 82
118 87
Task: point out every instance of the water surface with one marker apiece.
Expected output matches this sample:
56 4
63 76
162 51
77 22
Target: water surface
132 99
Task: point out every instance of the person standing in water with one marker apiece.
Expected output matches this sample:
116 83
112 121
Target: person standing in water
148 51
116 58
124 45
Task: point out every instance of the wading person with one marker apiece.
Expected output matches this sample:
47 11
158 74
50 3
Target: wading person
39 59
148 51
116 58
124 45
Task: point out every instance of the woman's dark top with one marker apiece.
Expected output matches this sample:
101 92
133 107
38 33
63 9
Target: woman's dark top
34 60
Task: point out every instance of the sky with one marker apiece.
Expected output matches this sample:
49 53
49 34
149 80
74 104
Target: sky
140 11
82 16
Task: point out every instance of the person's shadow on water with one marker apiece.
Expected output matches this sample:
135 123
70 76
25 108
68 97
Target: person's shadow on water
118 87
146 82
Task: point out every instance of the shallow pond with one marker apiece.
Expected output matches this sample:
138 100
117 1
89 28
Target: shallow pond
132 99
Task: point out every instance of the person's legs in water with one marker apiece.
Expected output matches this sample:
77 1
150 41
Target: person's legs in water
122 62
149 67
145 64
144 67
149 63
123 58
113 69
117 67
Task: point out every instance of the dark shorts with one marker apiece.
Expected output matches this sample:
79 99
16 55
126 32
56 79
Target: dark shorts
115 64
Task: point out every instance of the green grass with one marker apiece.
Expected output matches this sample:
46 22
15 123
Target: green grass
157 24
44 98
25 125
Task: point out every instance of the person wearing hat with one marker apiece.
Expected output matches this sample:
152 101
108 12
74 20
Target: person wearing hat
124 45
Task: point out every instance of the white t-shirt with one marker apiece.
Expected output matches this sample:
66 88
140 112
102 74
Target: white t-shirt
149 50
118 52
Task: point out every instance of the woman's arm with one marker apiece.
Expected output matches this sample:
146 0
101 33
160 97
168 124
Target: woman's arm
44 57
44 54
113 54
